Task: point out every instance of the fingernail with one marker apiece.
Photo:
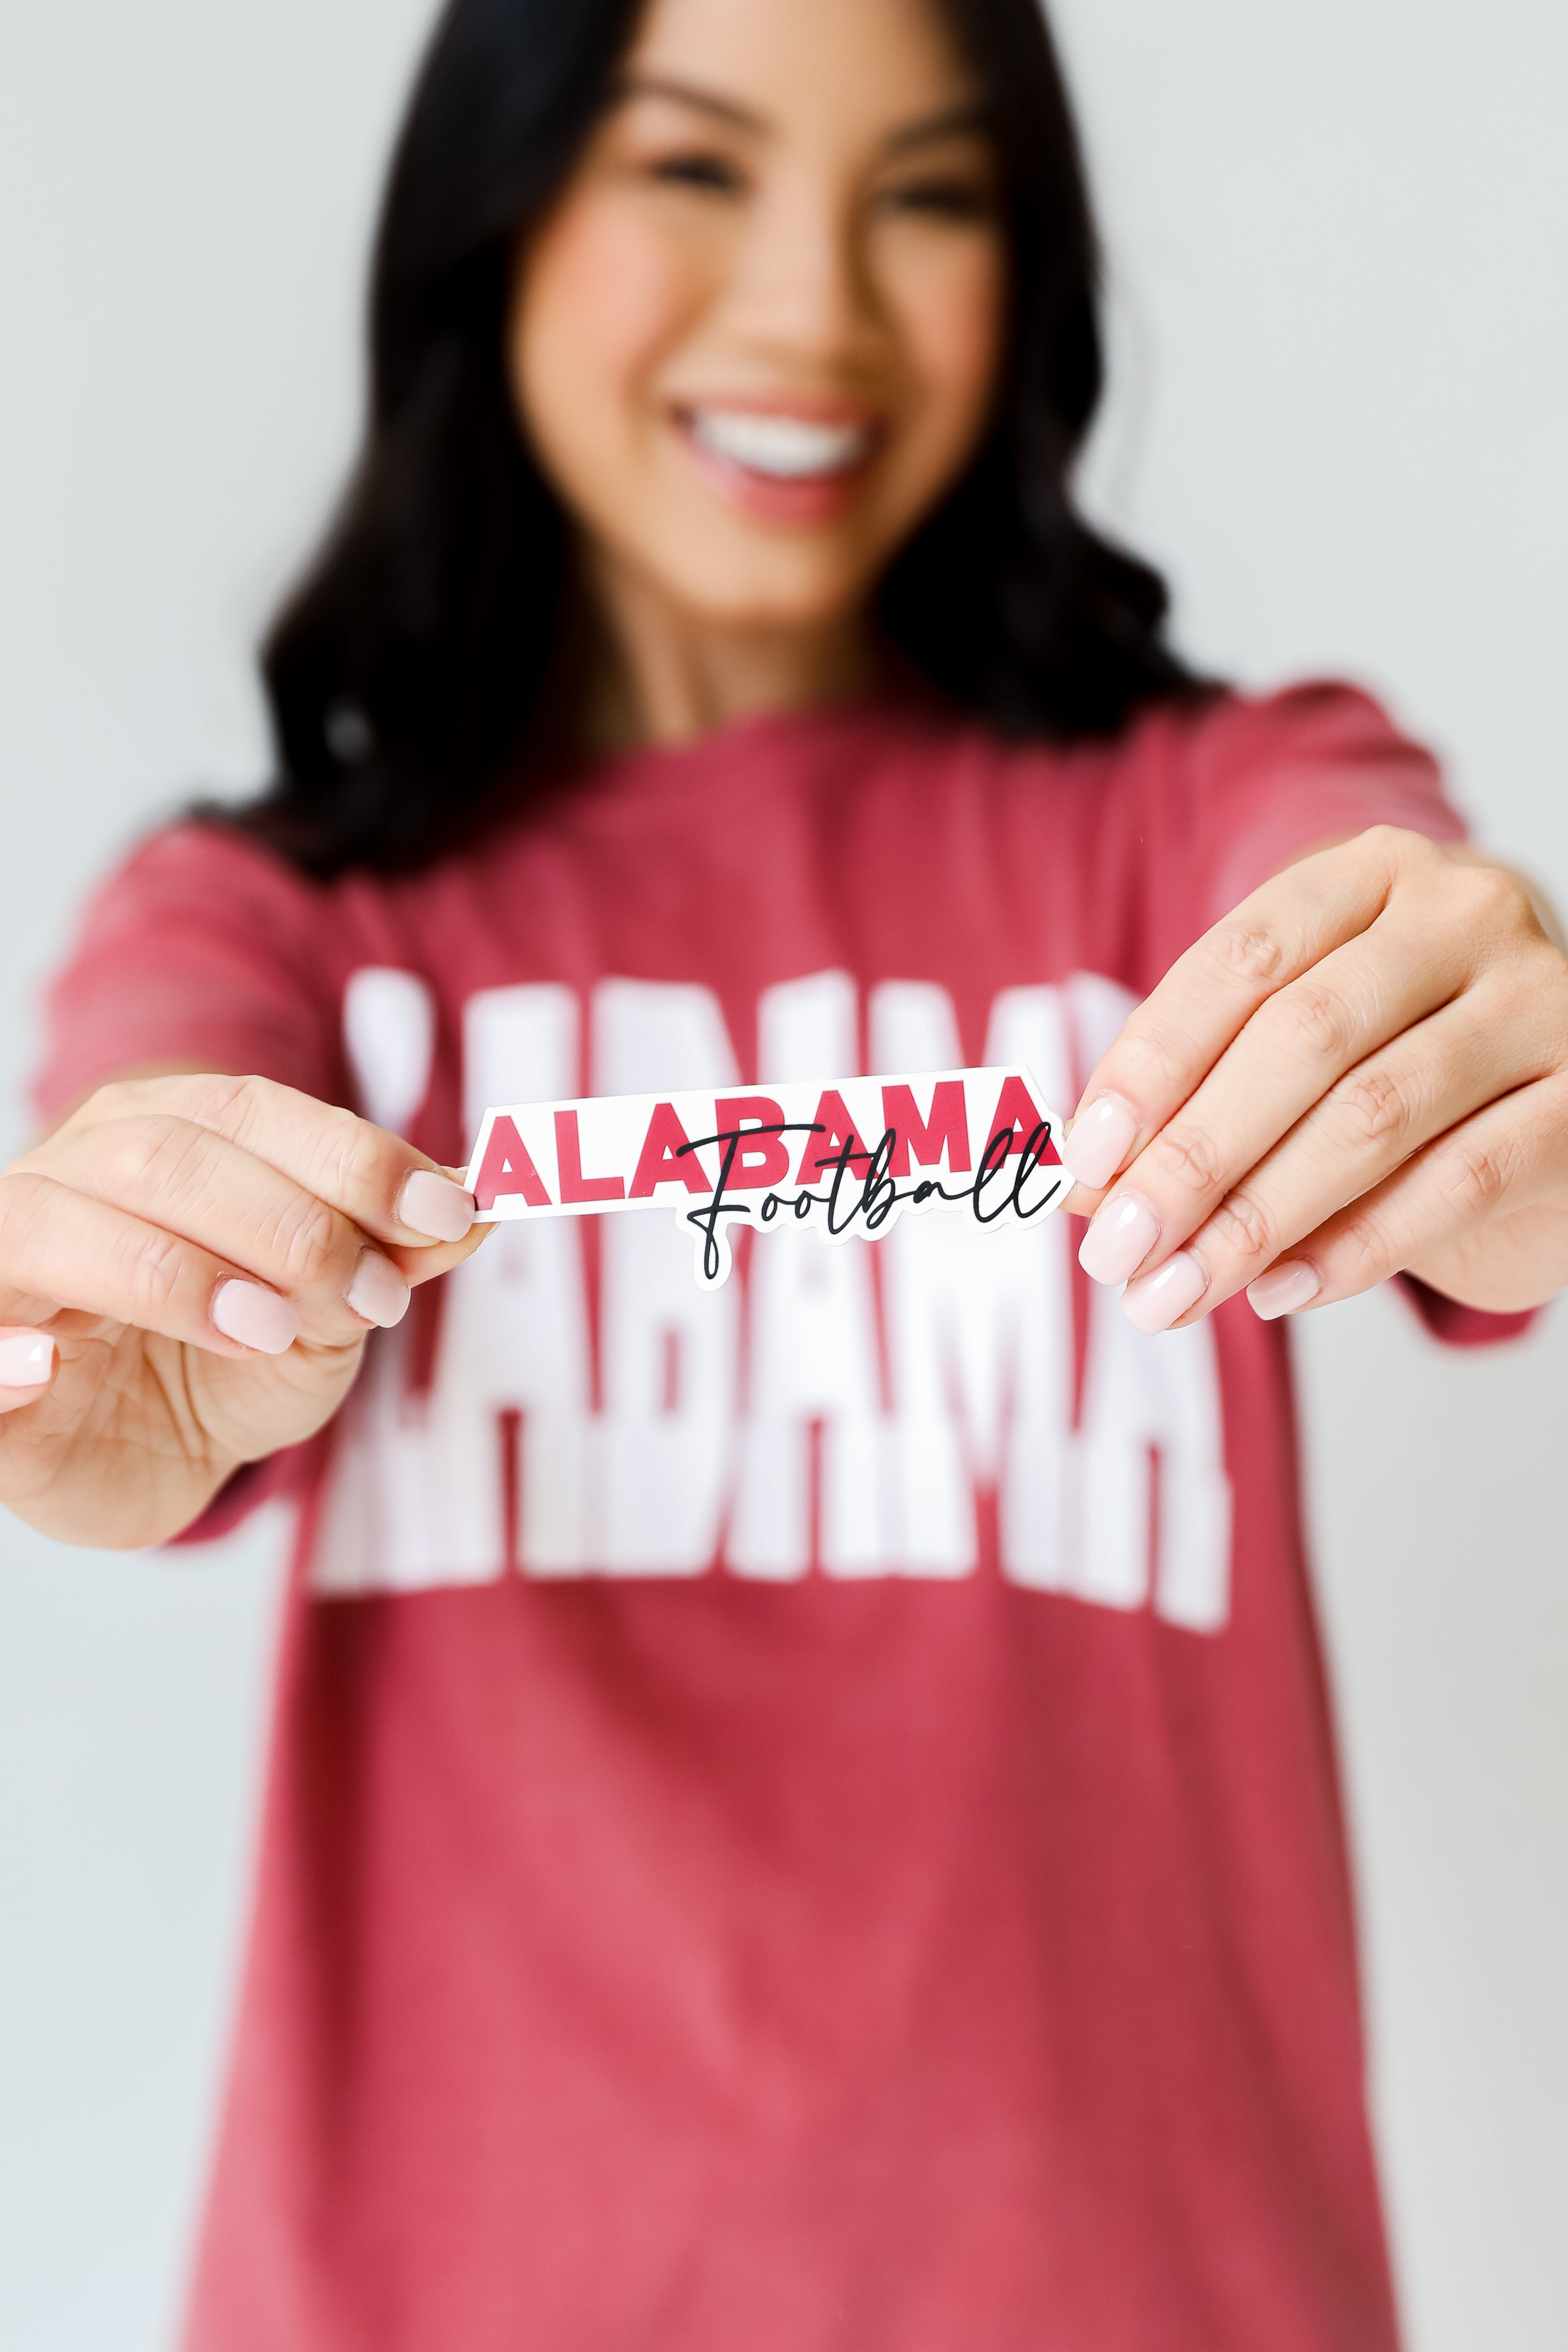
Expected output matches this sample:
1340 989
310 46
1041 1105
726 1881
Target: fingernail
1099 1141
1156 1302
378 1291
1285 1288
257 1318
436 1206
26 1360
1119 1239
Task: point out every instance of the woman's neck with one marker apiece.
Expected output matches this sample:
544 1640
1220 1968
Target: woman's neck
656 673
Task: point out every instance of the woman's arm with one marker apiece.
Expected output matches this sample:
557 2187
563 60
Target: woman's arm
1364 1069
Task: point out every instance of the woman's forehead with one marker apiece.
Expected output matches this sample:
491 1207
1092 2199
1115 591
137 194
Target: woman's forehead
886 70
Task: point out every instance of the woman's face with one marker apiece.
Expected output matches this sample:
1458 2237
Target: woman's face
754 341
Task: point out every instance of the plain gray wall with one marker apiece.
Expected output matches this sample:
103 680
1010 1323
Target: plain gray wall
1340 330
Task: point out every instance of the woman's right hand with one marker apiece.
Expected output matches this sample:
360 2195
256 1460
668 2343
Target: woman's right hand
189 1268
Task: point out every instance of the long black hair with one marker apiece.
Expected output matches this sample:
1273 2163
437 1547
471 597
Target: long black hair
403 672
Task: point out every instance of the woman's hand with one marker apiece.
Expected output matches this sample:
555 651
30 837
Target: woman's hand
189 1267
1365 1068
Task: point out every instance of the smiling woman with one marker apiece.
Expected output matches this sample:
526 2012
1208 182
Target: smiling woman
803 1812
869 223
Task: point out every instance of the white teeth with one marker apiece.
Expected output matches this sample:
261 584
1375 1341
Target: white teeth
787 446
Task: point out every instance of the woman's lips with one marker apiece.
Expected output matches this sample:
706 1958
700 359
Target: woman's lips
777 464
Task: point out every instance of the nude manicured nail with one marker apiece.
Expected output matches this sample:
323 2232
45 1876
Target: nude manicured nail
436 1206
1099 1141
1156 1302
1119 1239
26 1360
378 1291
1285 1288
257 1318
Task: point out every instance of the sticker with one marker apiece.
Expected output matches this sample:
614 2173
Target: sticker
843 1157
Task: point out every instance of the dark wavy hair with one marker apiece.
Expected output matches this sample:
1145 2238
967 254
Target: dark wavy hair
404 673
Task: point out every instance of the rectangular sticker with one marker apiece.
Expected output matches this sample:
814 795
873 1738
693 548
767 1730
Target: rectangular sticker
844 1157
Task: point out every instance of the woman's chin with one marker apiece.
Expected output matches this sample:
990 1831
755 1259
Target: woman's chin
746 580
771 608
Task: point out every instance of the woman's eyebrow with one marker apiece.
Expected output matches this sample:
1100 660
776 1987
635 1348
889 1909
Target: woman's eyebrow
970 119
688 93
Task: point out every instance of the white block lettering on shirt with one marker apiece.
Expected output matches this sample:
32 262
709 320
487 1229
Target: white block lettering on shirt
976 1348
979 1334
812 1358
668 1349
389 1036
1145 1398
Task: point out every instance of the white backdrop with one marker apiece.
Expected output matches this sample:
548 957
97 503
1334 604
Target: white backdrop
1340 309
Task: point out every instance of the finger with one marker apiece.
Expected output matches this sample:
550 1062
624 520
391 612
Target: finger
1509 1157
1296 1047
1426 1082
381 1183
28 1359
196 1184
434 1258
98 1259
423 1265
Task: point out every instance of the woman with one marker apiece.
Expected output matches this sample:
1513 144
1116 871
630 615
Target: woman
802 1816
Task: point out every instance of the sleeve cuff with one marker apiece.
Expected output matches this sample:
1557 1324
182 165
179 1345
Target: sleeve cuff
280 1476
1463 1327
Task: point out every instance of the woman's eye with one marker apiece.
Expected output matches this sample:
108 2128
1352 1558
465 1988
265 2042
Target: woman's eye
941 197
713 174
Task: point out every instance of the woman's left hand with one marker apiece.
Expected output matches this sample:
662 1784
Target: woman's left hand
1365 1068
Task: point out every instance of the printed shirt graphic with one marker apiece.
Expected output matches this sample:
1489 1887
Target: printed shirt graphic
802 1815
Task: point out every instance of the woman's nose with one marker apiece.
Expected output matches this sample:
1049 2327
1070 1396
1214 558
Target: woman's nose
801 287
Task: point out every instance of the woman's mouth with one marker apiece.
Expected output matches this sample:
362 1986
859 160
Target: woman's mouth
777 464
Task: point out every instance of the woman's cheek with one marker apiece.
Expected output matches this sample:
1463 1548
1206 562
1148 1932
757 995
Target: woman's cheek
950 321
601 301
